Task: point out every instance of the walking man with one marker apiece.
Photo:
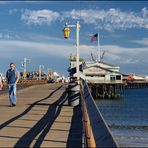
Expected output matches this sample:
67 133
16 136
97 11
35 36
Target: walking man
1 82
12 77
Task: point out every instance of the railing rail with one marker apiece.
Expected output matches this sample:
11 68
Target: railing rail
97 132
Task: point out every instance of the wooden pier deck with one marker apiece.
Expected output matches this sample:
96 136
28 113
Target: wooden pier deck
42 118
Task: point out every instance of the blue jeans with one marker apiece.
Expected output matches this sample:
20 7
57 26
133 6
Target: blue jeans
12 93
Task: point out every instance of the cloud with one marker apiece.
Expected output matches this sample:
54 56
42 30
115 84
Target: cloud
5 36
8 35
44 44
116 55
12 11
4 2
110 19
37 49
120 55
144 41
39 17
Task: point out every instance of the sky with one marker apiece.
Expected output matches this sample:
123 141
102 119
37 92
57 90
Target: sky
33 29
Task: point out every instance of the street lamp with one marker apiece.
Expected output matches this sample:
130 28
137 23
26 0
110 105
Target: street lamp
40 70
66 32
24 65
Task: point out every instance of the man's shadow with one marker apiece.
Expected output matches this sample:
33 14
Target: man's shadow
27 110
43 126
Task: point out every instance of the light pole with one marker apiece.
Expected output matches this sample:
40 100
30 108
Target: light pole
40 70
66 31
24 65
49 73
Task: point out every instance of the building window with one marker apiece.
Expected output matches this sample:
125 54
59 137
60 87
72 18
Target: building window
118 77
112 78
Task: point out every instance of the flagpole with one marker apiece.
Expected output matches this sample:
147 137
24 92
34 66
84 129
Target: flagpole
99 51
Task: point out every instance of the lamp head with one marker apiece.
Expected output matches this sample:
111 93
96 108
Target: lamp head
66 31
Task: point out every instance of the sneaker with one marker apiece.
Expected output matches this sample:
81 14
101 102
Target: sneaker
13 104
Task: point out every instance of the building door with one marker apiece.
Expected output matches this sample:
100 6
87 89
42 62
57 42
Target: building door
112 78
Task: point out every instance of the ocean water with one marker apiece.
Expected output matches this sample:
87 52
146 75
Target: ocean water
127 117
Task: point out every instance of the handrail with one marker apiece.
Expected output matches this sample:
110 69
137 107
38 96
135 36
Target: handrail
89 138
97 132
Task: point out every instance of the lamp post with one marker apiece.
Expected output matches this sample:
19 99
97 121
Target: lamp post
24 65
40 71
66 32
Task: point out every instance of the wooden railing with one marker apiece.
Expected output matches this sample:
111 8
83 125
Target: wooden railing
32 82
26 83
97 132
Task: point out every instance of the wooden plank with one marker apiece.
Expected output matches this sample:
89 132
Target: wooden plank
39 119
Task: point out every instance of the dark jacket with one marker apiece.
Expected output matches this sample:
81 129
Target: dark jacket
9 78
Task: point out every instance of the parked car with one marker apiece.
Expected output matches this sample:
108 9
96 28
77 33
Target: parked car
50 80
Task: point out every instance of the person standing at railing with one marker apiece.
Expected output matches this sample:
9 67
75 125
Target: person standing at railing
12 77
1 82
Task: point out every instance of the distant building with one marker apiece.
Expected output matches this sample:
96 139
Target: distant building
146 78
98 72
135 78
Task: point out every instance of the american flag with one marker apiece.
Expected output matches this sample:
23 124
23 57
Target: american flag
94 37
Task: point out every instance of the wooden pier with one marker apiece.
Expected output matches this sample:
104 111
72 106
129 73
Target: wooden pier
42 118
106 90
136 84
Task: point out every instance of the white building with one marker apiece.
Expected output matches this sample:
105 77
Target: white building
99 72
